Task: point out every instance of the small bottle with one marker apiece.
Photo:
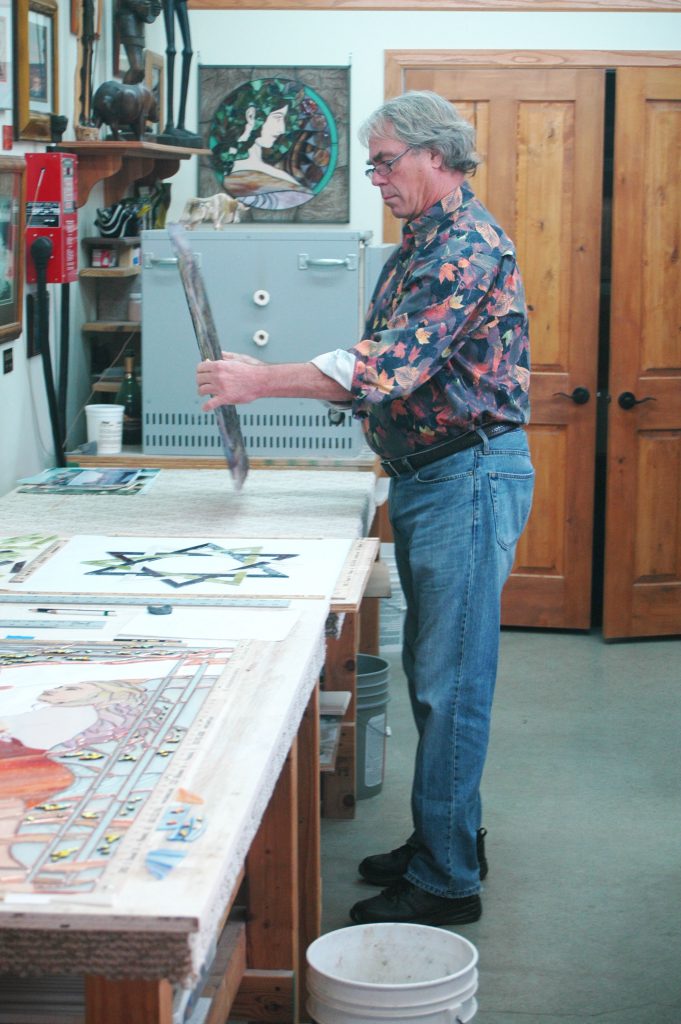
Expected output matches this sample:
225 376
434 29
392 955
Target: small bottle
130 397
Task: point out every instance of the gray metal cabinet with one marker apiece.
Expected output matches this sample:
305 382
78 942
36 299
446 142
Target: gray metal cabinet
282 297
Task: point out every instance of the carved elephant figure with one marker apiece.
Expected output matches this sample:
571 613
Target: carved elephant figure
124 106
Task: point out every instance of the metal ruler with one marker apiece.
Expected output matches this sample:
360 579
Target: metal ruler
61 624
175 601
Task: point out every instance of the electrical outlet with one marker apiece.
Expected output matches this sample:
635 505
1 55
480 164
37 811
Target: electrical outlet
8 360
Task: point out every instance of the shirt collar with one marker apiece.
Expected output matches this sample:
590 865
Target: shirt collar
417 231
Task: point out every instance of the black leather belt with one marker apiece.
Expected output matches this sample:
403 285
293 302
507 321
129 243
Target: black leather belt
405 464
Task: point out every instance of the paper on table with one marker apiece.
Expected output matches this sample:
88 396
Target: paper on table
219 624
194 566
69 625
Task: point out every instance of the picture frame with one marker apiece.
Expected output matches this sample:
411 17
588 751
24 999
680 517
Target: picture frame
36 54
6 62
12 205
154 79
279 139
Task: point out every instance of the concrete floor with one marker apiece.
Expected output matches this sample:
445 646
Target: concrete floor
581 908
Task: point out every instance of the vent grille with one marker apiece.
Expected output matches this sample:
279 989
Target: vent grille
167 433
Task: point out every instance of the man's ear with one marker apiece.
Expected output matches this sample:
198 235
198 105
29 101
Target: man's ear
436 159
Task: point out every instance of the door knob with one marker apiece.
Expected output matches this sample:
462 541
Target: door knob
580 396
627 400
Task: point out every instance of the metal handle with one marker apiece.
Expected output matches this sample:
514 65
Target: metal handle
305 261
580 396
150 260
627 400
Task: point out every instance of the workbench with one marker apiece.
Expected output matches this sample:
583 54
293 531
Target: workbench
273 820
250 767
272 503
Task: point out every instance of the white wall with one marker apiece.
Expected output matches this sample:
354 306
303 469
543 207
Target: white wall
360 39
25 434
294 38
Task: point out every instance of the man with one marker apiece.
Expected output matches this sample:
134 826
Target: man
440 382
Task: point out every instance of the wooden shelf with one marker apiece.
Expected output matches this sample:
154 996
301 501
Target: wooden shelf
109 272
100 241
112 327
123 246
119 164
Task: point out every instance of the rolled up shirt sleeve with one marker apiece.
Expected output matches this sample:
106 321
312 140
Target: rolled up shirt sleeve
340 366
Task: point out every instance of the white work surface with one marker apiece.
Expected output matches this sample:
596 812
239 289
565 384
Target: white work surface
163 928
272 503
131 924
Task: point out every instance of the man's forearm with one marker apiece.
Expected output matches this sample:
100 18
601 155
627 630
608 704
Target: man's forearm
302 380
235 380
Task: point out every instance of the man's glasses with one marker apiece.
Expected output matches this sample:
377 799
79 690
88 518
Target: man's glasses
385 167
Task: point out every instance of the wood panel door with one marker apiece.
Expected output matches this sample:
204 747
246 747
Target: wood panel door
540 132
642 590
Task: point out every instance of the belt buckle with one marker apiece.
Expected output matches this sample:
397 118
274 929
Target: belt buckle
397 467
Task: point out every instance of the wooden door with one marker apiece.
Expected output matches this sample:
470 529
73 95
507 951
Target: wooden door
642 590
541 135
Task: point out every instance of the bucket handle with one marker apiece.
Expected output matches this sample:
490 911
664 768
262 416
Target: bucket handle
381 732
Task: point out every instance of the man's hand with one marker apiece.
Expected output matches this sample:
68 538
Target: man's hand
232 380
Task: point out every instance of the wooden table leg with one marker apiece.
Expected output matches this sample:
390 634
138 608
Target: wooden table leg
309 839
135 1002
338 787
268 991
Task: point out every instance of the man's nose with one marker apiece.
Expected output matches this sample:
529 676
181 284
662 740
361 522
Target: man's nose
378 173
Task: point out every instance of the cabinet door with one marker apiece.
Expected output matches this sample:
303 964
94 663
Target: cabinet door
541 135
642 592
282 298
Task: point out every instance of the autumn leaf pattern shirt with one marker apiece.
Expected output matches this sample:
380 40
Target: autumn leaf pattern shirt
446 343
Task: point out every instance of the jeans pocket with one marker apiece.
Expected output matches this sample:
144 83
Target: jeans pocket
511 495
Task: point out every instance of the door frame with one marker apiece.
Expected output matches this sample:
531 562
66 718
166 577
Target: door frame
532 6
400 63
396 62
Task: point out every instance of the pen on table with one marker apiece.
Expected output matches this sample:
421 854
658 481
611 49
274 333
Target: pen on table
71 611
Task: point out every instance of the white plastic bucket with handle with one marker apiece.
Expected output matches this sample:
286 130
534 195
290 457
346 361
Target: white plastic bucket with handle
392 972
371 724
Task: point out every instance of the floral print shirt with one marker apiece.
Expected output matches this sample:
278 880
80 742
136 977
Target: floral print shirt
446 343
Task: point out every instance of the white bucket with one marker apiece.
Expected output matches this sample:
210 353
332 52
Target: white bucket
371 724
105 427
391 972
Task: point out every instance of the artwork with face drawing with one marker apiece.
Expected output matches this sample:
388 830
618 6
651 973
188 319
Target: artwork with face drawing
87 734
279 140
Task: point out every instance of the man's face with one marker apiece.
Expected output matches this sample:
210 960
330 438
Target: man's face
411 184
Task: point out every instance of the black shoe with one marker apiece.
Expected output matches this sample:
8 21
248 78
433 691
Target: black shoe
386 868
407 904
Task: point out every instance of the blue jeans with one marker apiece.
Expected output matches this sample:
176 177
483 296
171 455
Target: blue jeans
456 523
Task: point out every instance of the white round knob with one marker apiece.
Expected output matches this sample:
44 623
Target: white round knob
261 338
261 297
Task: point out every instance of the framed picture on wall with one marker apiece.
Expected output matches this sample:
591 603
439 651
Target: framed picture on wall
12 169
153 79
6 67
36 55
279 140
